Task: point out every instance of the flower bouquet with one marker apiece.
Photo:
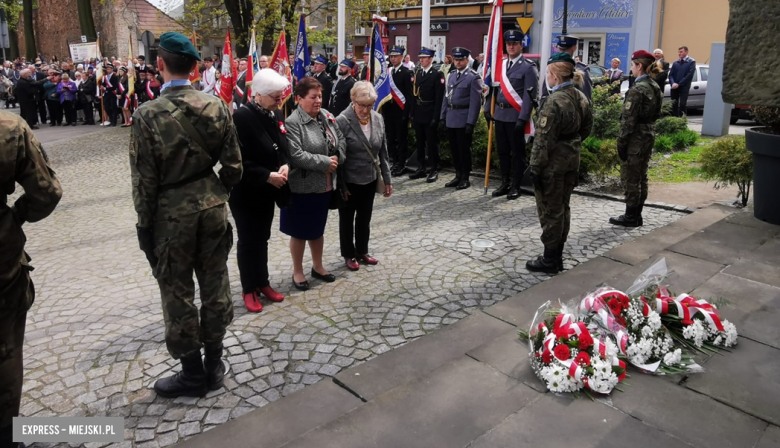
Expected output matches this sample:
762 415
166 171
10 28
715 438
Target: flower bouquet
568 357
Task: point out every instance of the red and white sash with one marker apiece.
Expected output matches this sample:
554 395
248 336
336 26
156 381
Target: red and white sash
395 92
514 98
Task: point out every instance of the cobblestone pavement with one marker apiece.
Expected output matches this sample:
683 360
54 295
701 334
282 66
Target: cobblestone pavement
95 334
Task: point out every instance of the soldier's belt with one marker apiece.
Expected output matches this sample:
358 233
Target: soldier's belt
505 106
196 177
455 106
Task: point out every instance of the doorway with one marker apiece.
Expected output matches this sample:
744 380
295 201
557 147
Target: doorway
589 50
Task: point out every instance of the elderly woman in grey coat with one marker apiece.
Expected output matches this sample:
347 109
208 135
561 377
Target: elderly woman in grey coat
316 148
364 132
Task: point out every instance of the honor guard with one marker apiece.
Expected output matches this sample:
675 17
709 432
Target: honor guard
428 90
512 113
568 44
339 97
182 224
318 71
396 112
459 113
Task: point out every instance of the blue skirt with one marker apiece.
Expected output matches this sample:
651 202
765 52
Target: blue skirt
306 216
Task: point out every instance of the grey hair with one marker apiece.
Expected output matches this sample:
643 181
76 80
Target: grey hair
616 59
24 72
268 81
65 76
362 91
658 50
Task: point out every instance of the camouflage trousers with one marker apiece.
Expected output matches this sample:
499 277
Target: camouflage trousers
16 296
633 173
552 205
197 243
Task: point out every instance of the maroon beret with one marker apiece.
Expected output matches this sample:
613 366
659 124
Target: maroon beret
642 54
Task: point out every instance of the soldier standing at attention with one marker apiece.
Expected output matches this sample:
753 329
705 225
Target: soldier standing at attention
637 135
22 161
568 44
459 113
182 219
318 71
396 112
428 91
511 123
565 120
339 98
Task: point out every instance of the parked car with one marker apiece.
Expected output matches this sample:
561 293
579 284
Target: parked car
597 71
697 92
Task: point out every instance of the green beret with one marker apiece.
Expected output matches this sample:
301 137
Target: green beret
561 57
177 43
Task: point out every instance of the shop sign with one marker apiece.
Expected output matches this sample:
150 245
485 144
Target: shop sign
440 26
595 14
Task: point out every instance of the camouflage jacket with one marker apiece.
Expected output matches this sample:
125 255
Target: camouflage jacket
642 107
22 160
565 119
172 175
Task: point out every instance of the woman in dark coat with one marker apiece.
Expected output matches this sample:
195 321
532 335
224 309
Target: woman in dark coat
261 132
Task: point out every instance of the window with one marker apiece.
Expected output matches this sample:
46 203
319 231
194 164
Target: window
438 2
705 73
329 20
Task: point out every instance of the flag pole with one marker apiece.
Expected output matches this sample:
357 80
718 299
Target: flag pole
490 140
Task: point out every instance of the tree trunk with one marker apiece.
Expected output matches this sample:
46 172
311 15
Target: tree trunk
29 35
14 39
241 13
86 23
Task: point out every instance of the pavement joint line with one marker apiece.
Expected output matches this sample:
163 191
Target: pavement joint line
648 424
341 384
729 405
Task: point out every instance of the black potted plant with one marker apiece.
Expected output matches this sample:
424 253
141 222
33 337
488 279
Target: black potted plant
764 143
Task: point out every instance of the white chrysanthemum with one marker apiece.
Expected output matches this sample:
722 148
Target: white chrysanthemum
731 334
654 321
695 333
673 358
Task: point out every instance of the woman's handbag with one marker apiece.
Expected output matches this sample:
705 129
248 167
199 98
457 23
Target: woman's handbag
380 183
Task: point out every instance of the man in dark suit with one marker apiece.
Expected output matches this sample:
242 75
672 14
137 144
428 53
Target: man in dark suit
428 91
680 78
239 92
661 78
41 75
318 71
339 98
514 103
366 61
396 111
110 88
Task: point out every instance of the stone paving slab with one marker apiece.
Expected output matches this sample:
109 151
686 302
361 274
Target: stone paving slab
745 379
771 438
509 355
752 306
758 272
688 272
448 408
724 242
704 217
556 421
649 245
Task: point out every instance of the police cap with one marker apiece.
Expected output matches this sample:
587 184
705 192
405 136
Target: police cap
425 52
460 53
513 36
178 43
320 60
567 41
395 50
347 63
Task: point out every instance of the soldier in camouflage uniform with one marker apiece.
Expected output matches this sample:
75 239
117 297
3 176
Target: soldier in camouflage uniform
182 218
22 161
565 120
637 135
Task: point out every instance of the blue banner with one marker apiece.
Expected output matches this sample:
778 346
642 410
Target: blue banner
302 64
382 83
595 14
617 47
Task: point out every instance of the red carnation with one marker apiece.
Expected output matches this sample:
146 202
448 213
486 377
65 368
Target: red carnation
583 359
546 356
622 376
615 306
624 301
585 341
562 352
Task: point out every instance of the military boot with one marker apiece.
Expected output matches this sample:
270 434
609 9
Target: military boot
215 368
547 263
560 258
639 213
190 382
504 188
629 219
514 192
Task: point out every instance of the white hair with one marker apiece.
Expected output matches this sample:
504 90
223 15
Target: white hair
363 91
616 59
658 50
268 81
24 72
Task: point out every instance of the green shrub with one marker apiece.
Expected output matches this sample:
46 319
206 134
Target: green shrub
727 161
591 144
670 125
588 163
664 143
666 109
608 159
684 139
767 116
607 108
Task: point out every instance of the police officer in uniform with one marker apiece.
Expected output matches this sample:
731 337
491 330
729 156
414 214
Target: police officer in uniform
459 113
339 98
637 135
22 161
510 124
568 44
318 71
428 91
565 120
396 112
182 226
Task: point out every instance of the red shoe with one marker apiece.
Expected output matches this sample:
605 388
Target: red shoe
368 259
251 302
272 295
352 264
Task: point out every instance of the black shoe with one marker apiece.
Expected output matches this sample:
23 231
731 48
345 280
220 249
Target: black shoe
463 185
639 213
514 193
302 286
215 368
329 278
629 219
453 183
53 124
35 126
190 382
503 189
433 176
547 263
418 174
560 258
399 171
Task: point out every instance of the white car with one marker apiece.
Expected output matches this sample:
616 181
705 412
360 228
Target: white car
697 92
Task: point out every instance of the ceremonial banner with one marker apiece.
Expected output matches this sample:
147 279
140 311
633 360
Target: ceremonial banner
194 76
302 64
281 63
252 65
228 78
383 81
